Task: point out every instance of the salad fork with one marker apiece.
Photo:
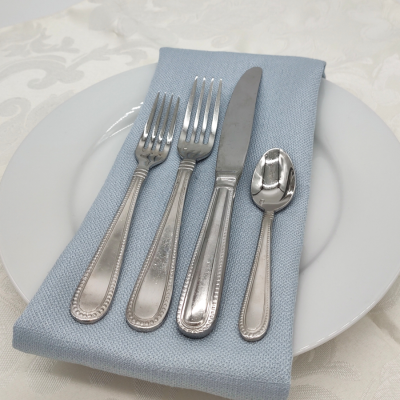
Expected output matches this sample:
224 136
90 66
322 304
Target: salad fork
151 295
96 289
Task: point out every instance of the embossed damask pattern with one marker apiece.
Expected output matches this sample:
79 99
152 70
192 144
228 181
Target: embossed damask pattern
45 62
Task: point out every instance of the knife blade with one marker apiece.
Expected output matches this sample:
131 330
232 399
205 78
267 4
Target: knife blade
238 123
201 294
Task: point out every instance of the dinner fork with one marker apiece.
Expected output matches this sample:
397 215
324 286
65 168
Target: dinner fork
151 295
96 289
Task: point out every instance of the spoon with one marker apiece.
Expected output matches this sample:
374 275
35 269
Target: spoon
272 189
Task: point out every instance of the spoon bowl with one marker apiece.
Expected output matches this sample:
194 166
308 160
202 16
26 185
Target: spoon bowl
274 181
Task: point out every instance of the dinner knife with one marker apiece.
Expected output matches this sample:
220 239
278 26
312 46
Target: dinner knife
201 293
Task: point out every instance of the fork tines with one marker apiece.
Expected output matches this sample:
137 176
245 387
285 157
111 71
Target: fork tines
156 144
199 130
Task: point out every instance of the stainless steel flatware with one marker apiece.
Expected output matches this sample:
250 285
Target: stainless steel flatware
151 295
201 294
272 188
95 291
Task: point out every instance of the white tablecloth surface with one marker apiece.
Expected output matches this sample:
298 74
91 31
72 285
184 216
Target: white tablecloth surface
17 11
46 61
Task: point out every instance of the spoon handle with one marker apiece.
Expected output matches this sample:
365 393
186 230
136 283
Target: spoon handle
255 312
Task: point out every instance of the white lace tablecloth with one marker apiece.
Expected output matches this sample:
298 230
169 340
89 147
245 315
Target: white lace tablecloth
46 61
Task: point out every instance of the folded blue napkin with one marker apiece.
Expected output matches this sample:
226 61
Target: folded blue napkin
221 363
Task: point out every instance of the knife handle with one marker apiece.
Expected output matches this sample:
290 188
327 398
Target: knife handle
96 289
151 295
201 293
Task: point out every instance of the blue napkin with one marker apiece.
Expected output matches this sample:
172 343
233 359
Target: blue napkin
221 363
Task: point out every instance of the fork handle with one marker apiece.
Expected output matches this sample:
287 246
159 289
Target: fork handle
151 295
201 294
96 289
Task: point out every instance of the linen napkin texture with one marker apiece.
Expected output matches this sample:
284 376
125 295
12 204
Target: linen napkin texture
221 363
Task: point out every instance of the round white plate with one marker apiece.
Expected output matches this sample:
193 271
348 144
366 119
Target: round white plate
351 254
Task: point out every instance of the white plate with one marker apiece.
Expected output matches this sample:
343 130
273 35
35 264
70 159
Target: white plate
351 252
